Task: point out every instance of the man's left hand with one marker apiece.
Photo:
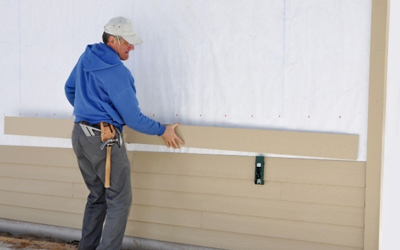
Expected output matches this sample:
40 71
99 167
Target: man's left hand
170 137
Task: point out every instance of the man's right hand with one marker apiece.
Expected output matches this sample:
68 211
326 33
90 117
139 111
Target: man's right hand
170 137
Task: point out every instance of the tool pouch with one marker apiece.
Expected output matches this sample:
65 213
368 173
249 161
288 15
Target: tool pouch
107 131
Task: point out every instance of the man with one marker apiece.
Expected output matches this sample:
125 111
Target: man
101 89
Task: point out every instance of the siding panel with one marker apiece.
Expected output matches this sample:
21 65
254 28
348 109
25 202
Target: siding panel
312 232
297 211
200 199
322 172
223 240
326 172
63 189
62 157
206 185
37 172
169 216
43 202
323 145
80 191
335 195
41 216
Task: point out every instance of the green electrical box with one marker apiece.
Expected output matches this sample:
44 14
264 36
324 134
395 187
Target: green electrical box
259 171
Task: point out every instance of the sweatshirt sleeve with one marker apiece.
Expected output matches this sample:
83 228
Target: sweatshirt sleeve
128 107
69 87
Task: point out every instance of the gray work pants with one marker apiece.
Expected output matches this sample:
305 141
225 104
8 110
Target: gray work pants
107 210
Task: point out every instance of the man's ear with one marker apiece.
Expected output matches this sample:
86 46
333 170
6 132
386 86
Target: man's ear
111 40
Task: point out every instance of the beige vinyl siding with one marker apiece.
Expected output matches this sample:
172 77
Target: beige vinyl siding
323 145
206 200
223 240
41 216
54 157
43 202
296 211
308 171
284 229
63 189
335 195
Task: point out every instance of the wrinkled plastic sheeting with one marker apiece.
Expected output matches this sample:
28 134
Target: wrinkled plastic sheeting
291 65
287 65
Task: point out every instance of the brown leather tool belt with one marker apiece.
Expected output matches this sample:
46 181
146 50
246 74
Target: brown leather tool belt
109 136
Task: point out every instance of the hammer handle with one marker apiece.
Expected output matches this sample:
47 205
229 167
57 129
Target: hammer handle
108 168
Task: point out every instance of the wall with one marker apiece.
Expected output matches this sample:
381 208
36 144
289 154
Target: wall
27 77
204 200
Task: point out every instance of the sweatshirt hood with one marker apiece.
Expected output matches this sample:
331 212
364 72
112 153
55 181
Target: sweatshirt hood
99 56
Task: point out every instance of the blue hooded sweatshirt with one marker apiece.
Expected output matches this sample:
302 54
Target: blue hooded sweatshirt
101 88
